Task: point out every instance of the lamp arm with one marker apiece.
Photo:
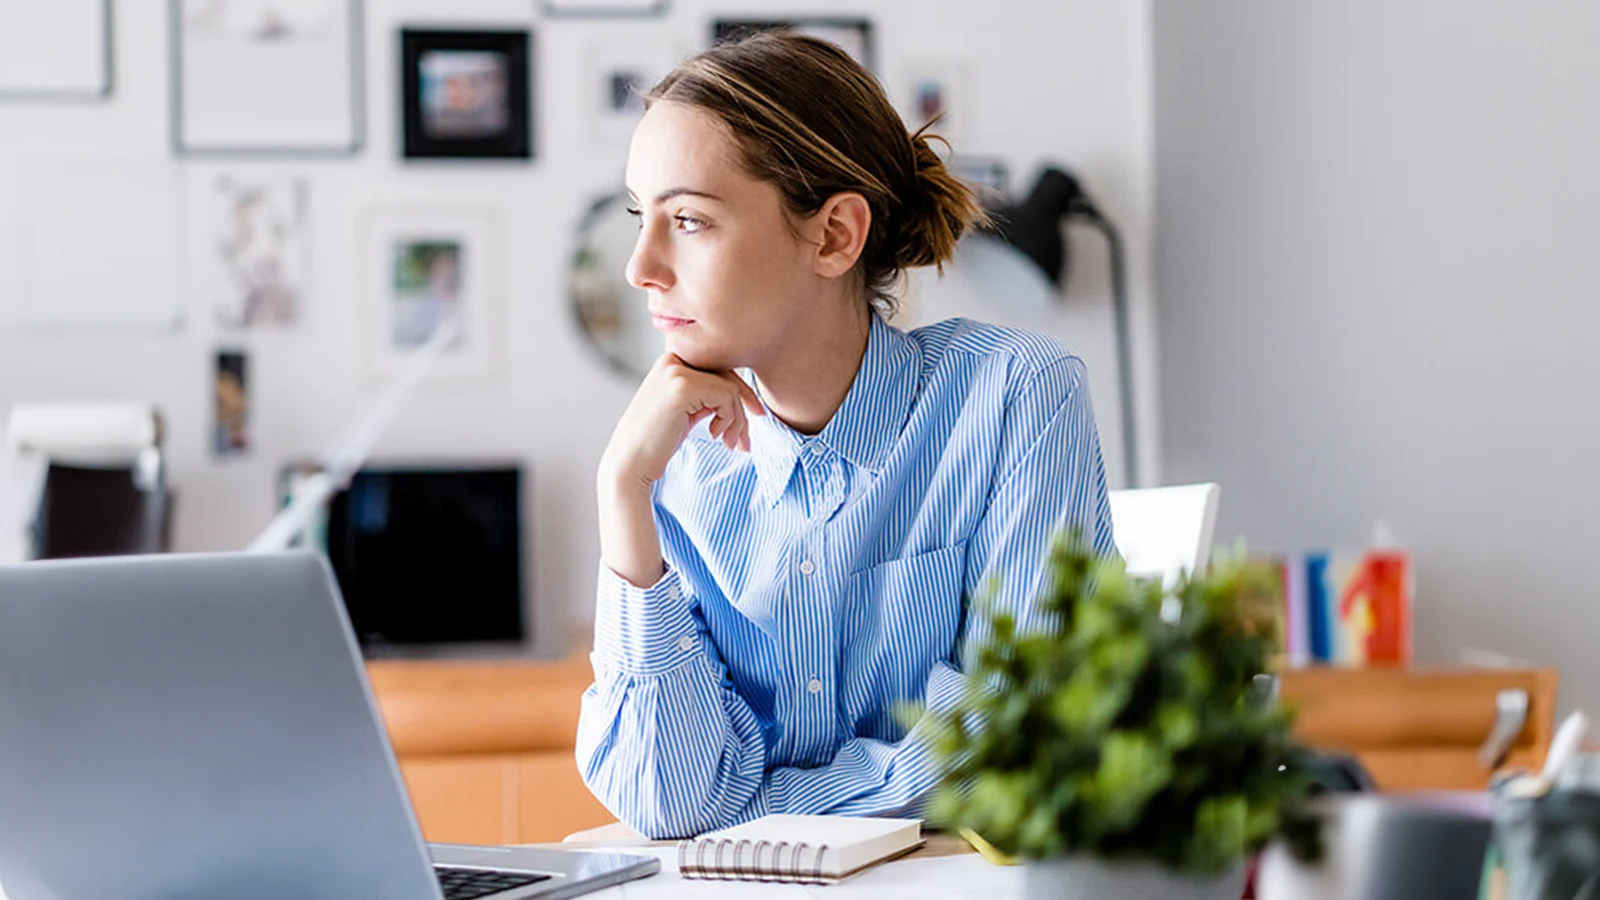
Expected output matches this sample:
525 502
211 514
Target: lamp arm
1119 309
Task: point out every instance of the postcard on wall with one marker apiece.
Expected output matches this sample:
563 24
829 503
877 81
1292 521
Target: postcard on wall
260 250
423 267
230 432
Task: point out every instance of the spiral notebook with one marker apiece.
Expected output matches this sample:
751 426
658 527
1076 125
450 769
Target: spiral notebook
801 849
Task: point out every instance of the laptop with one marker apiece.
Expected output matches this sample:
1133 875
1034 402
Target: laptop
199 726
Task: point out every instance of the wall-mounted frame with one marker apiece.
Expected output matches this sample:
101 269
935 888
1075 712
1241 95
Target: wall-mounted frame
939 91
609 9
854 35
618 74
59 51
420 266
466 94
266 79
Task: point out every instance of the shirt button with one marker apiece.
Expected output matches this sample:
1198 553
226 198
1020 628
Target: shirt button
807 567
814 685
818 449
686 643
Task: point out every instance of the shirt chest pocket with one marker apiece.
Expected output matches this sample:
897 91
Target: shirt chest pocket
900 617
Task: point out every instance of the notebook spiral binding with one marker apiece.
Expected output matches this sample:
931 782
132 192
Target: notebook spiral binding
742 861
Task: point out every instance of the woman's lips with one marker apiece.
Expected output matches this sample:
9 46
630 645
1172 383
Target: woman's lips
668 323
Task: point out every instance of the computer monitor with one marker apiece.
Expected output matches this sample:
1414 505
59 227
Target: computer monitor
426 554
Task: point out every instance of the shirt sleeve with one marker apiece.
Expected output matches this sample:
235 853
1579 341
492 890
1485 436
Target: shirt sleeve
664 741
1054 480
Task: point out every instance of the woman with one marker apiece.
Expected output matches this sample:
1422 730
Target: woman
784 558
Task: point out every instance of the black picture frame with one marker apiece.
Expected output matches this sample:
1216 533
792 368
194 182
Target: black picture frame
612 9
514 140
733 29
183 145
107 86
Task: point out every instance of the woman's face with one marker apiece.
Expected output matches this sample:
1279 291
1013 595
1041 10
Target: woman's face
727 274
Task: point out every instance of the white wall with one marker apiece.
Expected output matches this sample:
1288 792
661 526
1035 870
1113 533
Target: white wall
1377 266
1053 80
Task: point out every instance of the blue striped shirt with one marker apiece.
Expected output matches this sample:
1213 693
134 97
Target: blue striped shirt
817 583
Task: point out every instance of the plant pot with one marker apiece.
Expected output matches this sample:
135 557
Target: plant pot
1422 846
1088 878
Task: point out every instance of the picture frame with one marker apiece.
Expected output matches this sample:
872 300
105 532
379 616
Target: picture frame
61 51
855 35
259 249
129 217
939 88
602 9
466 94
267 79
419 266
617 74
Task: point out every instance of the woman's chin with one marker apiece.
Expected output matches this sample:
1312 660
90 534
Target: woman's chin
698 355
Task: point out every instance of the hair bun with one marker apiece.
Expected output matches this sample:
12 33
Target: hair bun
936 208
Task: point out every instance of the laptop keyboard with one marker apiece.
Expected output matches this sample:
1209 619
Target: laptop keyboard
467 884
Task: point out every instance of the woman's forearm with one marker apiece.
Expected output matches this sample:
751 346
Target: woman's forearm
629 542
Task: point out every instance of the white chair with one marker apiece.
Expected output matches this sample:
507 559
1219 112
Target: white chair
1164 531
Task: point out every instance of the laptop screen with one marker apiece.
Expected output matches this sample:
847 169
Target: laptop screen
428 555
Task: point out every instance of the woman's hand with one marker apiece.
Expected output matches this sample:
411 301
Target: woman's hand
672 399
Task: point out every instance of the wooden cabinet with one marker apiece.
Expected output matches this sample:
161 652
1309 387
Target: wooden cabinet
1419 729
486 748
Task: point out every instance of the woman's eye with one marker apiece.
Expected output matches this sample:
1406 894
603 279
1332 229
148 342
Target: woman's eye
689 224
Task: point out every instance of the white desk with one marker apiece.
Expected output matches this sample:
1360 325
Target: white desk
962 876
921 876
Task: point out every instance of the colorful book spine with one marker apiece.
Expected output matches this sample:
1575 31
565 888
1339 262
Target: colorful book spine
1347 608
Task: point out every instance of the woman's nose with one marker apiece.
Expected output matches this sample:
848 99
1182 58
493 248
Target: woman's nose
647 267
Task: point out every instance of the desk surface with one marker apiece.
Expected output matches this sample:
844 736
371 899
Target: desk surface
943 868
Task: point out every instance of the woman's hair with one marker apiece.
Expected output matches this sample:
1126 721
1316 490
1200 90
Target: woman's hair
811 121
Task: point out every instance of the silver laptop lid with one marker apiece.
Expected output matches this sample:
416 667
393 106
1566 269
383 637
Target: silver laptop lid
193 726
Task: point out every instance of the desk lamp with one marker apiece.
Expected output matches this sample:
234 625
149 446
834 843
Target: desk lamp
1034 228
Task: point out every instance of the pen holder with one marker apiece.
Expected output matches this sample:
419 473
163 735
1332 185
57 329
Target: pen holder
1549 845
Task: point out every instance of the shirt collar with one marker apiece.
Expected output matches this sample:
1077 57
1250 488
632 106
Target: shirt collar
866 424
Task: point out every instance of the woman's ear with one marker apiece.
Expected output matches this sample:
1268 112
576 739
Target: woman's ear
844 221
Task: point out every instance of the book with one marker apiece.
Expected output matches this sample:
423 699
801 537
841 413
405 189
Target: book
800 849
1348 607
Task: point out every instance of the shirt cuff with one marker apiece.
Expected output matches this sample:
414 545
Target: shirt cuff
644 631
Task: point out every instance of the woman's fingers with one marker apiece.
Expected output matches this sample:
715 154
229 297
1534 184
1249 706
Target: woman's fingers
747 396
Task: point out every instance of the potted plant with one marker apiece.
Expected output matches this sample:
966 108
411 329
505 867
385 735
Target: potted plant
1125 746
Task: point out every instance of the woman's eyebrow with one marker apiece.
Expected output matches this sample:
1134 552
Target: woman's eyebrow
670 193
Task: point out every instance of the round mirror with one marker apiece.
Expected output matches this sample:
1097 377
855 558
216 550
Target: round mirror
612 313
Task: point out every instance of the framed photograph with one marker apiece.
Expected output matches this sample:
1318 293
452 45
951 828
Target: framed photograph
618 76
260 249
55 51
854 35
466 94
422 267
230 427
266 77
569 9
937 92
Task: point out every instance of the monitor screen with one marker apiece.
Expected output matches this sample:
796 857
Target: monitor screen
428 555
